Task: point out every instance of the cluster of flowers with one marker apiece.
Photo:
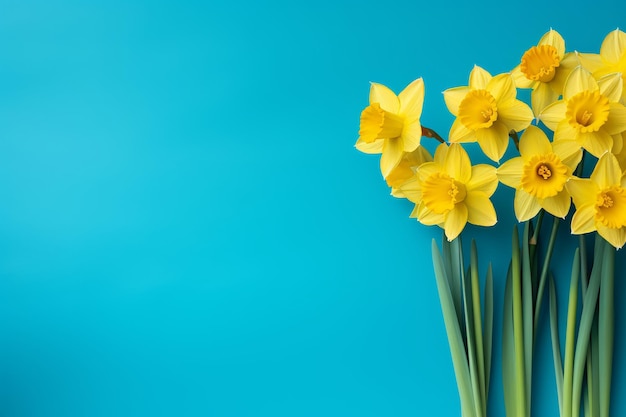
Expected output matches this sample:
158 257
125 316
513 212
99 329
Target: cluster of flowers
575 124
577 96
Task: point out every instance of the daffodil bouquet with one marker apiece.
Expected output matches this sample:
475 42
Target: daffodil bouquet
570 141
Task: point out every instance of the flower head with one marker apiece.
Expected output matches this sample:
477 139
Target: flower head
486 111
589 112
539 175
544 68
601 202
450 192
406 169
391 124
612 58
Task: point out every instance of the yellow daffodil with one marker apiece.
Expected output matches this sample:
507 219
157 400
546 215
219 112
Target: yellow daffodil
601 201
486 111
612 58
539 175
391 124
406 169
589 112
450 192
544 68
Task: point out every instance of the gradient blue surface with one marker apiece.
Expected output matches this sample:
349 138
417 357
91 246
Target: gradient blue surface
186 228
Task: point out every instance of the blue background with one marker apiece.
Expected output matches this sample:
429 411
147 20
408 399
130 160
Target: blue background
186 228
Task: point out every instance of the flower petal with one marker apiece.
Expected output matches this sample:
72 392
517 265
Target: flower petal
520 79
526 206
583 220
427 217
553 114
372 147
565 132
411 100
582 190
461 134
616 237
484 179
455 221
534 142
596 143
480 210
578 81
557 205
453 97
553 38
427 169
607 172
412 135
385 97
542 96
592 62
617 119
611 86
567 64
458 164
392 154
510 172
502 88
440 154
493 141
478 78
568 151
515 114
613 46
411 190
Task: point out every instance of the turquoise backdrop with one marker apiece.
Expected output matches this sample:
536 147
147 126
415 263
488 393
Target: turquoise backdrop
187 230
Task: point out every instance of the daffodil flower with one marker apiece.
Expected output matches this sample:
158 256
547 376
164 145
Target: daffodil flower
544 68
589 112
391 124
612 58
486 111
539 175
450 192
601 201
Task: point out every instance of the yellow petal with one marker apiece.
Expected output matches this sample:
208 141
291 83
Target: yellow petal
558 205
613 46
526 206
372 147
484 179
607 171
616 237
618 144
552 37
427 217
493 141
510 172
453 97
386 98
412 136
611 86
553 114
411 100
515 114
520 79
596 143
478 78
458 164
617 119
502 88
568 63
568 151
583 220
534 142
480 210
392 154
461 134
565 132
411 190
578 81
542 96
591 62
582 190
455 221
440 154
427 169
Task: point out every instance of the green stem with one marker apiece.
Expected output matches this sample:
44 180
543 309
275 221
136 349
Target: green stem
544 270
606 326
518 327
570 337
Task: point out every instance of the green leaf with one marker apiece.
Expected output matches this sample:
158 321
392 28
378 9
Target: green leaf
488 332
556 344
606 327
